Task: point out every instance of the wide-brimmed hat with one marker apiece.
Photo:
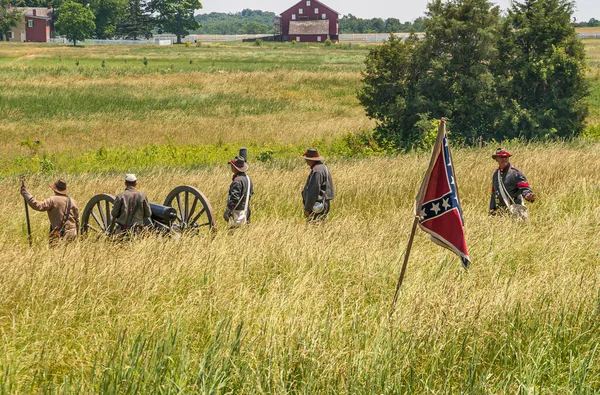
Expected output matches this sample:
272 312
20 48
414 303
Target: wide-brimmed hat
60 186
501 152
239 163
130 178
312 154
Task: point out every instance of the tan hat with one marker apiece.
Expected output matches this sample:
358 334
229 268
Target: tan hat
239 163
130 178
60 187
312 154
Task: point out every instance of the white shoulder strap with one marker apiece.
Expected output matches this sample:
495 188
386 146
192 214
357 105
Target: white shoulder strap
508 201
248 194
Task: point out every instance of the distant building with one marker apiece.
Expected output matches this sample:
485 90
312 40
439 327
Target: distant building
309 21
36 25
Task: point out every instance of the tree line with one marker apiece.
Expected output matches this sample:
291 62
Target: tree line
351 24
107 19
521 76
246 22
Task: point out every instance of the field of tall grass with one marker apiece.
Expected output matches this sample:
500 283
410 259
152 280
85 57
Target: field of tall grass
281 306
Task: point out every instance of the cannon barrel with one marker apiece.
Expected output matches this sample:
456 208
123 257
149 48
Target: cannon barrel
163 214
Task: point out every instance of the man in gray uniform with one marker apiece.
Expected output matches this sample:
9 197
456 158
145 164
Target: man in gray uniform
131 208
318 190
514 181
238 190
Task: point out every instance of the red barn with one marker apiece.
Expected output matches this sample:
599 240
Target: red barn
309 21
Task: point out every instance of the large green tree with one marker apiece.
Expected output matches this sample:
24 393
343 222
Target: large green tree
518 77
542 70
445 74
75 21
9 18
136 22
175 16
107 14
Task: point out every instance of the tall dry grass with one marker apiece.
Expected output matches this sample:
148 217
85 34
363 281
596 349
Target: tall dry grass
283 307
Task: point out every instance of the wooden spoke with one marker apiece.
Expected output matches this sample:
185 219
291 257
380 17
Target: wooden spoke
97 209
185 212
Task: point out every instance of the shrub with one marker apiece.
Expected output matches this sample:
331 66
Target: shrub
328 43
258 42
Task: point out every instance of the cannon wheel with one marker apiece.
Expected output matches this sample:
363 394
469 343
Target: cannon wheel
194 212
96 215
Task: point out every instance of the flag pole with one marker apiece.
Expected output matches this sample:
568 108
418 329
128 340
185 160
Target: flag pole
401 278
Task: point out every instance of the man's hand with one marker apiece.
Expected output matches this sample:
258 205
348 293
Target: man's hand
530 197
23 190
227 214
306 213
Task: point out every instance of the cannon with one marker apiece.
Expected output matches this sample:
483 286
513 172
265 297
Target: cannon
185 210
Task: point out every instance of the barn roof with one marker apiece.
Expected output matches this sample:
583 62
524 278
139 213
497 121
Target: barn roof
309 27
314 1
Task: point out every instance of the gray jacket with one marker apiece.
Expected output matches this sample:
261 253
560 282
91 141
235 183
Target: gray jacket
125 204
236 200
318 188
516 185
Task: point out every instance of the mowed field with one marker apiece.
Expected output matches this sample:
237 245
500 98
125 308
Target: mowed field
280 306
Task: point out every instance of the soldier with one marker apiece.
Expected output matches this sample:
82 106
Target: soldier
514 187
241 189
63 212
318 190
131 208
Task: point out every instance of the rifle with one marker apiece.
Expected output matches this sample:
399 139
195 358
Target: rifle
22 178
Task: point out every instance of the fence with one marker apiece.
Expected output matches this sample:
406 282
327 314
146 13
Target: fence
193 38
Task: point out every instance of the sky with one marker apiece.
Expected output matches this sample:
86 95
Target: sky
405 10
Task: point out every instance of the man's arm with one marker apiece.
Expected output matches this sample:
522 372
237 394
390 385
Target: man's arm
312 191
235 194
34 204
147 208
524 188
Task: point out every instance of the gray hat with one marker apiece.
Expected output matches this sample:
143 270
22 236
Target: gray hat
130 178
239 163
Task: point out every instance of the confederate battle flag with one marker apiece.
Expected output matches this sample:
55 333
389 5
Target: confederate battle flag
437 205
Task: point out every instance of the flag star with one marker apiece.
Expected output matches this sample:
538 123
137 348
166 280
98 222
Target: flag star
435 207
451 180
423 213
446 204
449 164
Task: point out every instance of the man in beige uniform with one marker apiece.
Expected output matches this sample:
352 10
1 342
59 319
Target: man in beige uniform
63 212
131 207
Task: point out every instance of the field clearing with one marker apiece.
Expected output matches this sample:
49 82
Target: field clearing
280 306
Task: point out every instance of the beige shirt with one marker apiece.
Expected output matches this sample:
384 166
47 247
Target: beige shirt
56 206
125 201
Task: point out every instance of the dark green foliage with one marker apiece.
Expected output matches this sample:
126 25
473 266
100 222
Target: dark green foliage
255 28
75 21
136 22
593 22
235 23
351 24
542 63
107 14
8 19
521 78
175 16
